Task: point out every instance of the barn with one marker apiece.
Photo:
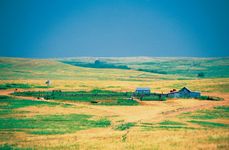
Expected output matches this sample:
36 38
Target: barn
142 91
185 93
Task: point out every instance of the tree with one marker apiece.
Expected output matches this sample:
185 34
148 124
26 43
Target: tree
98 62
201 74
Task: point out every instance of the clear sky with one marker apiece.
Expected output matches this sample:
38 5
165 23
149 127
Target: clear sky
72 28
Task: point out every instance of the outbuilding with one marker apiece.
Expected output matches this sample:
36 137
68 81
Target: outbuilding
184 93
142 91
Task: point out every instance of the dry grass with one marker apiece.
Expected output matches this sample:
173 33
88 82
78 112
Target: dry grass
136 137
203 85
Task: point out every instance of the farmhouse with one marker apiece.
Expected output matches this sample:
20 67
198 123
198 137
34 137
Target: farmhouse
142 91
184 92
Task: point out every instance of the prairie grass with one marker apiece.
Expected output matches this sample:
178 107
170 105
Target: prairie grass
192 67
168 122
53 124
120 102
125 126
210 124
48 125
217 112
8 105
73 131
8 147
20 85
43 124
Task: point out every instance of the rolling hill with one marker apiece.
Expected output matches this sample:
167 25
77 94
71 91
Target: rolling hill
183 66
23 68
70 77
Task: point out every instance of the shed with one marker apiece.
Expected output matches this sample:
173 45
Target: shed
142 91
184 92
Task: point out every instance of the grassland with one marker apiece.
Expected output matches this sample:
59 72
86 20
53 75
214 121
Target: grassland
31 124
19 68
64 123
188 67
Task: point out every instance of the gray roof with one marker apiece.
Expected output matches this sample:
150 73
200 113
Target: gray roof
184 88
142 89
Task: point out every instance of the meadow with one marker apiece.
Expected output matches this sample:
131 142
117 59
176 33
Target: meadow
77 118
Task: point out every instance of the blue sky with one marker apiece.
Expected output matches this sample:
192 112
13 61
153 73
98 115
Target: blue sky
72 28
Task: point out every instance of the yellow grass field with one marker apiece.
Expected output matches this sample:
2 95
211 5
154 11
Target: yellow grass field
136 137
203 85
172 124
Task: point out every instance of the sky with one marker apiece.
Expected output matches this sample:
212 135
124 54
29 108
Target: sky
114 28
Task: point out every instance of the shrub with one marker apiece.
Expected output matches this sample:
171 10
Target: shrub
125 126
200 74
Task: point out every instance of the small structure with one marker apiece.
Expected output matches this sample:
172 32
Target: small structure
183 93
48 82
142 91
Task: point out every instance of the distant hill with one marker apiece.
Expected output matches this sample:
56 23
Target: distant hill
22 68
122 68
96 64
182 66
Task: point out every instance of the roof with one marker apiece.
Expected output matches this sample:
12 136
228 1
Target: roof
184 88
142 89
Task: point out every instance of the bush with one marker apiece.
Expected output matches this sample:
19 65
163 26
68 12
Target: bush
201 75
125 126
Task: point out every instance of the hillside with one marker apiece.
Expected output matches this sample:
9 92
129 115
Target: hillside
21 68
189 67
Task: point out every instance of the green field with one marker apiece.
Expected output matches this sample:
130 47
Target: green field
43 124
